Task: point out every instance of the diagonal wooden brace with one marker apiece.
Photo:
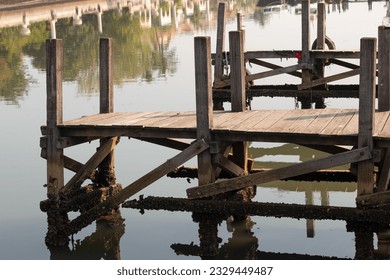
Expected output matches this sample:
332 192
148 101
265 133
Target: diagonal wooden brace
90 166
110 203
279 173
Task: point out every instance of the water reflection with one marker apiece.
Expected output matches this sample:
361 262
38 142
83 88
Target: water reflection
102 244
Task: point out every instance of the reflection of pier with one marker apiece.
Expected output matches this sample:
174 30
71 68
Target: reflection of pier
169 14
243 244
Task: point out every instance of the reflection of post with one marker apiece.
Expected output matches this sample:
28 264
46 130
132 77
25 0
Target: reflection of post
53 25
102 244
310 227
208 234
99 19
364 237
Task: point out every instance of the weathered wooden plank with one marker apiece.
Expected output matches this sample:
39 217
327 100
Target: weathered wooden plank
374 200
167 142
338 123
279 71
273 66
254 118
321 121
181 120
380 122
366 112
110 203
54 117
383 68
329 79
229 166
304 121
221 26
343 63
269 120
315 54
286 121
279 173
204 106
384 173
234 120
237 71
351 128
89 166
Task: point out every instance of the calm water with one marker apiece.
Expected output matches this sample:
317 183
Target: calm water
154 71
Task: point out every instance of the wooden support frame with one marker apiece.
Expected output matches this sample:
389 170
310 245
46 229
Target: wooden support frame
55 155
279 173
274 67
329 79
83 173
366 113
111 202
237 70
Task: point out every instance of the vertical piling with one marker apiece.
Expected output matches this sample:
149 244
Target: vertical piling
365 180
221 26
383 68
306 39
106 168
238 94
237 71
204 106
55 156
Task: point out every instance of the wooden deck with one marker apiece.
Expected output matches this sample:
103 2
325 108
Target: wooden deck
311 126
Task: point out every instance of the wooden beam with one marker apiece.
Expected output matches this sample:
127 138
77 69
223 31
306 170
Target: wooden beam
55 156
343 63
111 202
274 67
106 169
306 73
366 113
321 26
383 68
279 173
329 79
221 26
229 166
90 166
228 208
237 71
384 173
284 70
374 200
167 142
204 106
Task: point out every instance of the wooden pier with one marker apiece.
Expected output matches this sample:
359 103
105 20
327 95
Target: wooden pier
359 137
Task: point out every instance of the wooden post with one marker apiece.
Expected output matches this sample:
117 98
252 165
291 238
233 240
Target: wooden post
383 68
367 86
305 39
106 174
221 26
239 22
320 63
321 26
237 71
238 97
55 156
204 106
